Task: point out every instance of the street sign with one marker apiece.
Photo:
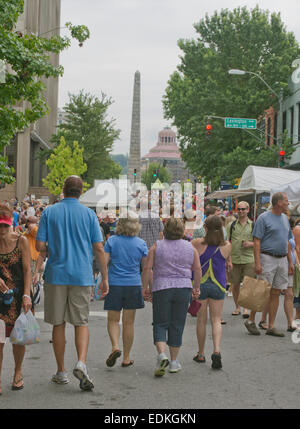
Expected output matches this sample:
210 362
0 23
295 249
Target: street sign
240 123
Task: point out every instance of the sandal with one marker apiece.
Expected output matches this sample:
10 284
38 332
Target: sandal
236 313
13 387
199 358
124 365
263 325
111 360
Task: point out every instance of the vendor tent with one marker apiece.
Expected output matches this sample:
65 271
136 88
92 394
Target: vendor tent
292 190
263 179
157 185
105 193
256 180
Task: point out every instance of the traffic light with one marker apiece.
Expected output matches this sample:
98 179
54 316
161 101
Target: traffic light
282 161
134 172
208 130
156 172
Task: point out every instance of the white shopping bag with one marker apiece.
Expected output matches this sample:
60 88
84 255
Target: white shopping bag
26 330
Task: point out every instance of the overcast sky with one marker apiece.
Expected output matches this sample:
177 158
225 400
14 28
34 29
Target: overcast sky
130 35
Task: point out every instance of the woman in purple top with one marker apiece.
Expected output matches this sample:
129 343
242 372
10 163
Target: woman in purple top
173 260
213 251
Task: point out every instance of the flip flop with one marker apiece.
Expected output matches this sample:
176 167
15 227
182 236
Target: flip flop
198 359
17 387
124 365
263 325
235 313
245 316
111 360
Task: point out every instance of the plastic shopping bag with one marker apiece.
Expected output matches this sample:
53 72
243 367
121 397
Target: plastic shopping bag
97 292
26 330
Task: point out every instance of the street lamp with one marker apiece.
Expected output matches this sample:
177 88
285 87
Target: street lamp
278 96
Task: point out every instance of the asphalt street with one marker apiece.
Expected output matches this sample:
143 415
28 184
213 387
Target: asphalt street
258 372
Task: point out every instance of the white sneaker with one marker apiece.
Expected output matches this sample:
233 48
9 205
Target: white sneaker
229 294
174 366
60 378
80 372
162 363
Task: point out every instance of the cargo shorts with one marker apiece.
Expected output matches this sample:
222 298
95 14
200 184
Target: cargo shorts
274 271
66 303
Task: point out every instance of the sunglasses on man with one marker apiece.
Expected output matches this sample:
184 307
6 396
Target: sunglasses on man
242 208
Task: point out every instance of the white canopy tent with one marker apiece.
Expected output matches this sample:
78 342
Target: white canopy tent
106 193
292 190
111 193
256 180
263 179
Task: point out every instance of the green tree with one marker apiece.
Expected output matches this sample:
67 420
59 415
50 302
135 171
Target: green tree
27 57
62 163
253 40
148 176
122 160
87 123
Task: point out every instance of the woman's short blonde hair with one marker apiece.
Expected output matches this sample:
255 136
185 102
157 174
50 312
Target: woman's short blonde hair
128 226
174 229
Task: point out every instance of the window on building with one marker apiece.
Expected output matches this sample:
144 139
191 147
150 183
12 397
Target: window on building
284 121
11 153
292 123
269 132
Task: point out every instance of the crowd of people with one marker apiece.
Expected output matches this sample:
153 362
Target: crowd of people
170 262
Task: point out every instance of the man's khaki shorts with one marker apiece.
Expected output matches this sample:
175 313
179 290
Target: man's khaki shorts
64 303
239 271
275 271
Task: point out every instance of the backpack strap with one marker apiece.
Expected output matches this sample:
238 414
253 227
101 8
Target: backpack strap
231 229
233 226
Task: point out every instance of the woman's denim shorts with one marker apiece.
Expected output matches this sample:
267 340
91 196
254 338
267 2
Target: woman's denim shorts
209 289
124 297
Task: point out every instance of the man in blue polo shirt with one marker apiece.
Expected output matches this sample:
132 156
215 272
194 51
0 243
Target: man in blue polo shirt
68 233
272 259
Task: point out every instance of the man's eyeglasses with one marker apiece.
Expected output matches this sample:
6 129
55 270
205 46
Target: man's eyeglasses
242 208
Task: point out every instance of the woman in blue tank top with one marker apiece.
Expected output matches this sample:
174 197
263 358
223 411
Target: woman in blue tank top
213 251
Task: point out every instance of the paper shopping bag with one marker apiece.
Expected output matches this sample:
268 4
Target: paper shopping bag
254 294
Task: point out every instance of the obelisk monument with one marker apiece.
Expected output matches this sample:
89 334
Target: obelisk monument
134 162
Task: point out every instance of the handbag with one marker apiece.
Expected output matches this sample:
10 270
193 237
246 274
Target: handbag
194 308
254 294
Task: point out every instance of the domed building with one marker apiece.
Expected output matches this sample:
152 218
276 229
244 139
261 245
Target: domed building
166 153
